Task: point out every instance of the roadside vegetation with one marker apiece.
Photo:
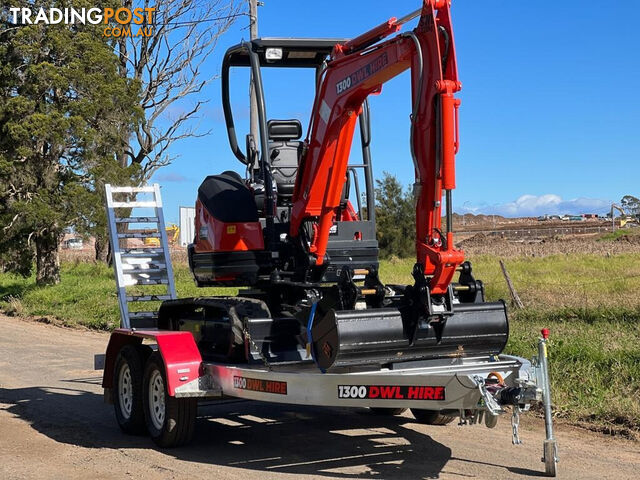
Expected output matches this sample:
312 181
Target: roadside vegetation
622 234
589 302
79 109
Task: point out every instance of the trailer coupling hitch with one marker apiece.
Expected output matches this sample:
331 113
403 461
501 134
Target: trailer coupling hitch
495 395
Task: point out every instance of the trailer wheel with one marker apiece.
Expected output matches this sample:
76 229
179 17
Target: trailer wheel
387 411
431 417
170 421
127 398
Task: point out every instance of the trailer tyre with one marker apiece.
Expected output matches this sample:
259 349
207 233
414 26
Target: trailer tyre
431 417
170 421
387 411
127 398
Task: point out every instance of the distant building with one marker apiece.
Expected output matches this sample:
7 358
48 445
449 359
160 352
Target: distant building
72 244
187 225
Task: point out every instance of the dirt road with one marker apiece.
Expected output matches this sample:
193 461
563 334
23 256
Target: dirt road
54 424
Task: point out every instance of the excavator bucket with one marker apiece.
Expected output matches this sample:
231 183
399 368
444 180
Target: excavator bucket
380 336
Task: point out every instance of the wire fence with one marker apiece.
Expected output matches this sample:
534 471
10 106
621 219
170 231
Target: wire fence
608 292
537 231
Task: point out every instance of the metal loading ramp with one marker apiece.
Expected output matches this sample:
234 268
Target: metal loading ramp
140 249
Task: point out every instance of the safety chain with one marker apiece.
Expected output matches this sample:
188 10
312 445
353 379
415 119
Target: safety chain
515 423
255 346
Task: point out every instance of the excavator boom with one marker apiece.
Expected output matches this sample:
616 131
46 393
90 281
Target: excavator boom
357 69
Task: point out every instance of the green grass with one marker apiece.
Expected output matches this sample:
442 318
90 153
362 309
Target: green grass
621 232
553 282
594 360
590 303
86 295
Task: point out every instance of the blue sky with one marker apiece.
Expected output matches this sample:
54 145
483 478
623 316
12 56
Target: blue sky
550 102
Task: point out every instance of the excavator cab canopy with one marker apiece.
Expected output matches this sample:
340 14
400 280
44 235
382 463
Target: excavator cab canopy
280 139
283 52
268 52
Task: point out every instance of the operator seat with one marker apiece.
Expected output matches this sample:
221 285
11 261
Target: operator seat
284 151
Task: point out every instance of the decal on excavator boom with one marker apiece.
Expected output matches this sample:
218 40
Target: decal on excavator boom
362 73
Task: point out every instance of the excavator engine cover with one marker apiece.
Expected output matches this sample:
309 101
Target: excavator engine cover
344 338
228 247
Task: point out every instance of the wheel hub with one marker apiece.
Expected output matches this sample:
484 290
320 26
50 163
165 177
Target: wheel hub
156 400
125 391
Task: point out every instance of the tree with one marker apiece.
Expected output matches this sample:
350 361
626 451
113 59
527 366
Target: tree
395 218
60 97
631 205
168 65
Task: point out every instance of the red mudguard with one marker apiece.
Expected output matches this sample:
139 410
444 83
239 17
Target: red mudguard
179 352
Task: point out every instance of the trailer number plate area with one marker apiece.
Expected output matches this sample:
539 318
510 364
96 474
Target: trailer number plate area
258 385
392 392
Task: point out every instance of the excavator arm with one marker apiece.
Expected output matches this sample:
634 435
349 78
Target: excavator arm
357 69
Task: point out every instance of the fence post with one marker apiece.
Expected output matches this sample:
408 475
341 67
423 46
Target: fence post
514 295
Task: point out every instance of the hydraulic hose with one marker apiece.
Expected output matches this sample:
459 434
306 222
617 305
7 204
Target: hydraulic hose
416 102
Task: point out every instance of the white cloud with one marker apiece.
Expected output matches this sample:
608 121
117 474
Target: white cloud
534 205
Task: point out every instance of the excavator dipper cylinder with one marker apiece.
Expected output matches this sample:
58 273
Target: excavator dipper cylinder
448 141
378 336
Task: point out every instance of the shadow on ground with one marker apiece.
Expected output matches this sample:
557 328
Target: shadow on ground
16 289
250 435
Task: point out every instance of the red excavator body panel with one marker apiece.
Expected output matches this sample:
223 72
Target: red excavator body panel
228 247
225 236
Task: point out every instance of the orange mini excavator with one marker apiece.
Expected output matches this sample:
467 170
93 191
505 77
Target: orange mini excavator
312 324
290 232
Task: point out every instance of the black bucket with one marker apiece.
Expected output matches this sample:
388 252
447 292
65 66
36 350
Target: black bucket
377 336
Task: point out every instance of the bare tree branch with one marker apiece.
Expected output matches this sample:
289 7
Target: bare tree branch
168 66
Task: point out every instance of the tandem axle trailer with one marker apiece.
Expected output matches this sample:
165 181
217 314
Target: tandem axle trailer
156 376
155 379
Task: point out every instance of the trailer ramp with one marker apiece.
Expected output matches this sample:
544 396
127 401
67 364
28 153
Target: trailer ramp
140 250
